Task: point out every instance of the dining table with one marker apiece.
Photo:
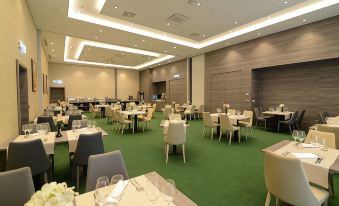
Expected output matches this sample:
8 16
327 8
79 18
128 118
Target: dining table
285 115
133 115
61 118
319 164
134 193
102 108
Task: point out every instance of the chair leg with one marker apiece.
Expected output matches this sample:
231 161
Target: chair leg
78 177
229 142
211 133
183 152
268 199
45 177
251 132
246 133
123 127
167 150
265 124
220 134
203 132
239 137
290 126
278 127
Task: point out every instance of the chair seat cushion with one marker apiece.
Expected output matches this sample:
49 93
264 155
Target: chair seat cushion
321 194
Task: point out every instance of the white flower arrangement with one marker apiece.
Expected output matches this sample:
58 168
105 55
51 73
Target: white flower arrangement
53 194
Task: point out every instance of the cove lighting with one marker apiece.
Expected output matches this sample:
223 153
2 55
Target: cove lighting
83 43
283 15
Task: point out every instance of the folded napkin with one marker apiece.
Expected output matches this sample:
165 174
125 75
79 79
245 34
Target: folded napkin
117 191
305 155
309 145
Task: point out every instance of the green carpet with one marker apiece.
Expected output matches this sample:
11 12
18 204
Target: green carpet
214 173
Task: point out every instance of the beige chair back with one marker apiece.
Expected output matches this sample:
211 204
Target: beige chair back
176 132
108 111
174 117
168 106
115 117
176 106
150 113
201 109
249 115
155 106
91 107
208 122
192 109
120 117
331 129
329 138
231 111
225 123
167 112
285 178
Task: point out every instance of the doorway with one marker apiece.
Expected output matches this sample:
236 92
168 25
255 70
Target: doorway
22 92
57 94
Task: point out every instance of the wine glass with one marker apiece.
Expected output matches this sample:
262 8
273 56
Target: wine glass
44 130
168 191
94 124
114 180
39 129
25 129
323 145
100 195
314 140
89 123
152 193
295 135
78 124
301 138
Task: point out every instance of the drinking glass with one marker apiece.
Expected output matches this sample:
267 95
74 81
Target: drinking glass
314 140
44 131
152 192
78 124
25 129
39 129
94 124
100 195
295 135
323 145
89 123
302 136
168 191
116 178
29 129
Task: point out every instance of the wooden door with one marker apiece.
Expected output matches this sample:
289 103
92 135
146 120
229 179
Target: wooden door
172 91
233 90
57 94
217 91
22 95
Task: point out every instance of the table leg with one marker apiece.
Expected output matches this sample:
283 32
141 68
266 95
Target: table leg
135 123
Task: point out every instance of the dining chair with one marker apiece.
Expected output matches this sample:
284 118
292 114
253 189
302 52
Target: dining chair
331 129
93 110
322 117
199 111
115 119
88 144
285 179
124 122
71 118
16 186
174 116
226 125
30 154
176 135
108 114
231 111
291 122
167 111
147 119
300 119
190 111
106 164
261 118
327 136
155 109
247 123
208 122
49 120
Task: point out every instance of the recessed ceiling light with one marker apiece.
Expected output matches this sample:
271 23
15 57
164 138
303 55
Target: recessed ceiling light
269 17
53 50
165 51
135 45
168 24
51 43
100 30
259 33
143 40
116 7
174 47
304 20
235 22
285 2
199 4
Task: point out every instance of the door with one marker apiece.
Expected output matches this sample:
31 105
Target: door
217 91
57 94
22 95
233 90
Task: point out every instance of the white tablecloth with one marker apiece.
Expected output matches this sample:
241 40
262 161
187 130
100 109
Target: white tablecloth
48 140
233 118
286 115
316 173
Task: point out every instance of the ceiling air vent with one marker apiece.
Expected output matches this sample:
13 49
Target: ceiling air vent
194 35
177 18
49 57
128 14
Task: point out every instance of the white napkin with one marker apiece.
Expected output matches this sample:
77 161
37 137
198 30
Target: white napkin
309 145
117 191
305 155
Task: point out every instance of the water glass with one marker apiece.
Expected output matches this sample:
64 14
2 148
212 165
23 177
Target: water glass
152 192
169 191
100 195
94 124
323 145
314 140
295 135
116 178
89 123
25 129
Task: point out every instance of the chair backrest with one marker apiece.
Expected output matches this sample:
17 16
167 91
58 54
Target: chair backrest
300 117
249 115
225 123
16 187
168 106
167 112
71 118
201 108
327 136
174 116
154 106
115 117
88 144
121 119
49 120
285 178
108 111
322 118
294 117
30 154
91 107
34 127
231 111
106 164
176 132
257 113
150 113
331 129
192 109
326 114
207 120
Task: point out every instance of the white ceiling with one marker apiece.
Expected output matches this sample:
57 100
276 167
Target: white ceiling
210 18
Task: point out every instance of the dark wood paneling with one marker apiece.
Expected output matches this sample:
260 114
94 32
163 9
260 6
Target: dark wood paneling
312 42
145 84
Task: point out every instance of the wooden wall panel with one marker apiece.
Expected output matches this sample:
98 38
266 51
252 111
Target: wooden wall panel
312 42
145 84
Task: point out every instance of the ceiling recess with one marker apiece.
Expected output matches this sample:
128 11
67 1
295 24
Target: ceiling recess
128 14
177 18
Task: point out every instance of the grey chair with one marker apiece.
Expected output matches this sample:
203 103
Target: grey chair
30 154
49 120
71 118
107 164
261 118
16 187
88 144
291 122
322 117
300 119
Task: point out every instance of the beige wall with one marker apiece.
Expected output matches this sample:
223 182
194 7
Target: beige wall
83 81
17 24
127 83
198 79
44 67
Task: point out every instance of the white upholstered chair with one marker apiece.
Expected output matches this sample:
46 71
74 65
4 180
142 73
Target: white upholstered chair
331 129
147 119
199 111
176 135
124 122
285 179
226 125
174 116
190 111
167 111
108 114
93 110
247 123
231 111
208 122
327 136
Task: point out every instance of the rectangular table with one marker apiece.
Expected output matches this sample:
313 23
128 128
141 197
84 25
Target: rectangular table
133 114
48 140
63 119
233 118
284 115
131 196
309 165
102 108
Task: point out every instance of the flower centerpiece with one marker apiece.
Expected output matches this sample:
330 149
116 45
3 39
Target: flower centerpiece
53 194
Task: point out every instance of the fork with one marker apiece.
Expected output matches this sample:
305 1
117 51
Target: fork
136 185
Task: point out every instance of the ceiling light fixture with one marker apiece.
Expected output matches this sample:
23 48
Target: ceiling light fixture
235 22
53 50
100 30
143 40
174 47
51 43
115 7
304 20
285 2
283 15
